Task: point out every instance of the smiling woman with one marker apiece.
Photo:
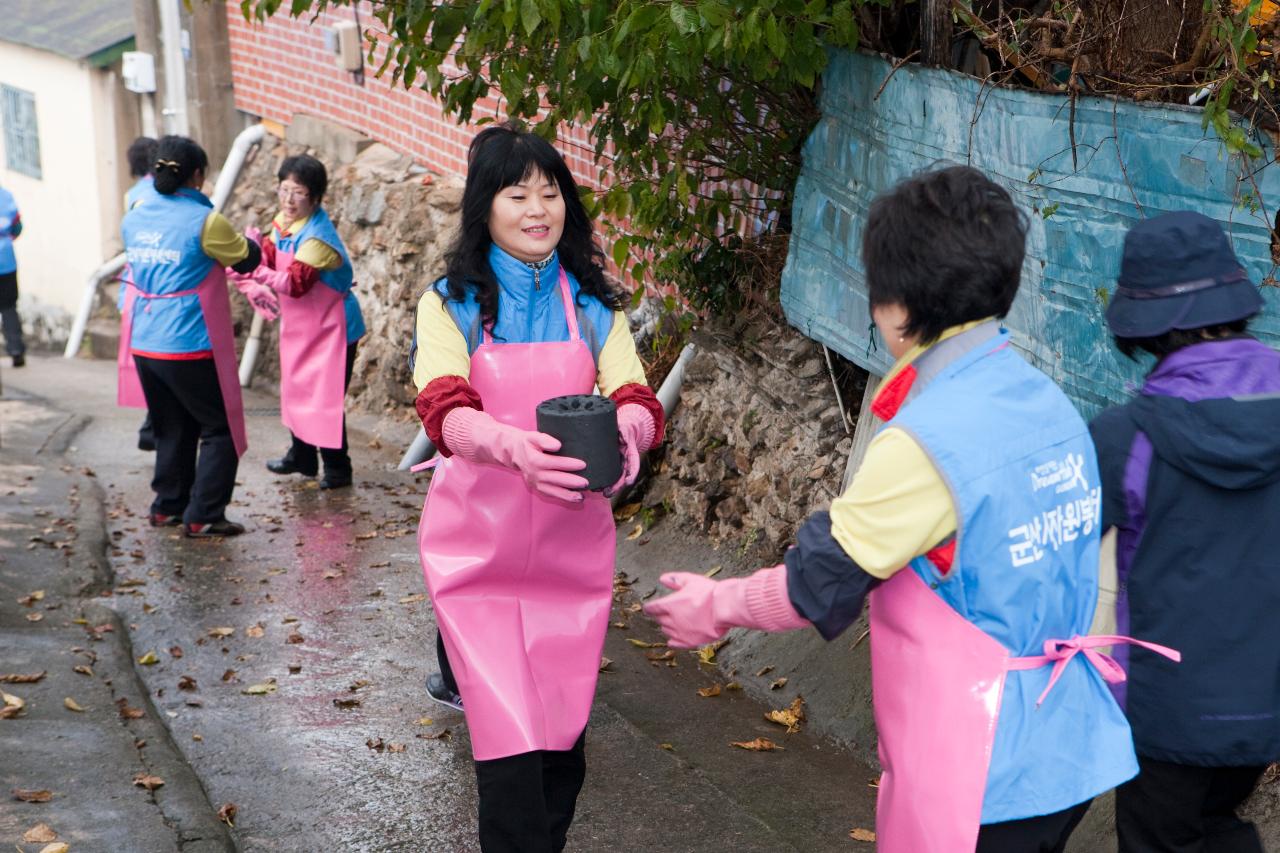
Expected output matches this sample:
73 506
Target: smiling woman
517 553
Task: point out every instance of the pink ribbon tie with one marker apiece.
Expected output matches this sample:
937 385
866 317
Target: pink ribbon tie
1060 652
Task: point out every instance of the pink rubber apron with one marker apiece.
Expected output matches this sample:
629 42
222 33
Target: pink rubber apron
313 362
521 583
215 305
937 681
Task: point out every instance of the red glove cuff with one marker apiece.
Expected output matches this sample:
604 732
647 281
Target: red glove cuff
302 277
440 397
642 395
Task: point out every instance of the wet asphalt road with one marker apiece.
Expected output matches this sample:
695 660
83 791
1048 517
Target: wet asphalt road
289 666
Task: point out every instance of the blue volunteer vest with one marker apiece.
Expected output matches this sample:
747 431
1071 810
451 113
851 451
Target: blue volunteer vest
141 188
1023 476
165 254
8 213
320 227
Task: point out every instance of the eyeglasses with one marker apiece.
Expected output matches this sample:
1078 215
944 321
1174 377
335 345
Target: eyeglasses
286 194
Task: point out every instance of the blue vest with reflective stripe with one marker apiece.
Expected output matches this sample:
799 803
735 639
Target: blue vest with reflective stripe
1023 476
320 227
165 254
8 213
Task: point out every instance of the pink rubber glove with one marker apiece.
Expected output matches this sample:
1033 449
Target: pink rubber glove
635 436
263 299
701 610
478 437
277 280
253 234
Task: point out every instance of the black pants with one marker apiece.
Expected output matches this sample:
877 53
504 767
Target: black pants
446 671
196 458
1172 808
10 322
336 460
527 801
1042 834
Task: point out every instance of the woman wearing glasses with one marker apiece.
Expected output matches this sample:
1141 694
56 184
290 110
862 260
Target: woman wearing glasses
304 261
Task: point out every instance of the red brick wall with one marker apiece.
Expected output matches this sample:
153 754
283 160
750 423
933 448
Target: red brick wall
281 67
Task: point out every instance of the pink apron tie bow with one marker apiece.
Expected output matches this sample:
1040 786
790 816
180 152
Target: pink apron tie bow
1060 652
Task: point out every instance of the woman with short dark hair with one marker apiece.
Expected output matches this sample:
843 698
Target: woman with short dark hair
306 263
177 346
973 524
1191 484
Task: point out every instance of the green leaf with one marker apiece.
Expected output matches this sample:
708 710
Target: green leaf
683 18
530 17
620 248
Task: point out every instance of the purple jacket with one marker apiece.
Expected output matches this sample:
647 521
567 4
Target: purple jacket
1191 480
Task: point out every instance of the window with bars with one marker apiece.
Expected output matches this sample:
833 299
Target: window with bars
21 136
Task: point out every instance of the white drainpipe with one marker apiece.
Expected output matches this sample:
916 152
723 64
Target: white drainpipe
175 68
221 192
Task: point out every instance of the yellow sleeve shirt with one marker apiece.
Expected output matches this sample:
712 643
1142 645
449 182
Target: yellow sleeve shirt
221 241
898 506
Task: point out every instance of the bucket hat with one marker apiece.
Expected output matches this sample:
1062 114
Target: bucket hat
1178 271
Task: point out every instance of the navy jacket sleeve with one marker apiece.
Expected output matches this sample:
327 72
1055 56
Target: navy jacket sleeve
1112 433
824 584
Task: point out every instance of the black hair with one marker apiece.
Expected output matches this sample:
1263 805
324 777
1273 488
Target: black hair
307 171
499 157
141 156
177 159
1175 339
947 245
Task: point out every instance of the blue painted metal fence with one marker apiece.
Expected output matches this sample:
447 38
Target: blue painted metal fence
1128 154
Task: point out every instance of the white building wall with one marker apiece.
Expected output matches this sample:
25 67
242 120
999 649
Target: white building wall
66 219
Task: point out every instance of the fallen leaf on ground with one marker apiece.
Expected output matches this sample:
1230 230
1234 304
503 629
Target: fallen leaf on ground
260 689
778 684
331 574
443 734
410 599
605 663
860 834
30 600
707 654
626 512
760 744
347 703
763 671
712 572
708 692
425 721
356 685
34 617
30 796
294 639
255 631
669 654
146 780
84 670
71 705
636 532
148 659
295 668
791 717
227 814
13 705
641 644
175 651
186 682
22 678
221 631
733 685
56 847
666 746
229 675
39 833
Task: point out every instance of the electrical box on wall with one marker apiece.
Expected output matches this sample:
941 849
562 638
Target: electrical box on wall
349 52
139 72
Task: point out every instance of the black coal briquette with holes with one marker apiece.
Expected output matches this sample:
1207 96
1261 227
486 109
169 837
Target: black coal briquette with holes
587 427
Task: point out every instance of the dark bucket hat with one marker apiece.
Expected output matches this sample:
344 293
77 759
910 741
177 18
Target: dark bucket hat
1179 271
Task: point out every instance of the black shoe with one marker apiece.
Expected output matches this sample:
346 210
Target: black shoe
221 527
286 465
335 480
438 692
19 360
159 519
